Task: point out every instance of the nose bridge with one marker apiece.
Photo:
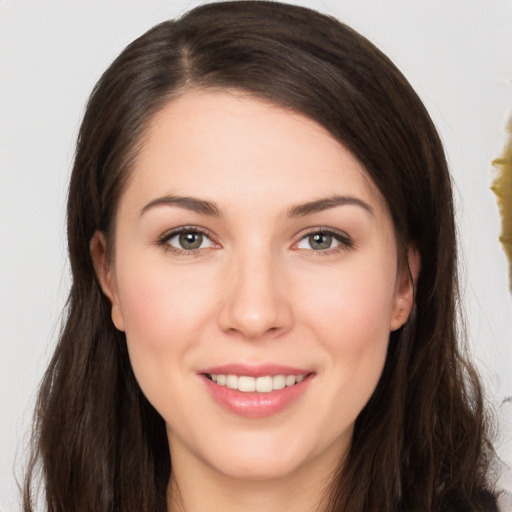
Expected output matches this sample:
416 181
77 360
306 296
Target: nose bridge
254 303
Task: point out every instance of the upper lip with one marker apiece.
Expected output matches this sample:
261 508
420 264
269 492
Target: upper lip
256 370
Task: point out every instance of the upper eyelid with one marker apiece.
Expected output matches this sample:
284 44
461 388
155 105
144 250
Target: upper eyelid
182 229
322 229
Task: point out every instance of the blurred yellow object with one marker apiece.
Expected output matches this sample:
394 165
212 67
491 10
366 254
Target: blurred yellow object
502 187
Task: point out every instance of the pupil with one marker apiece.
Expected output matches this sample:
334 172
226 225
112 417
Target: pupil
320 241
191 240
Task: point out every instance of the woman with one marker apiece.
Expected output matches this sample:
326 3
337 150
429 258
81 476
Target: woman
262 313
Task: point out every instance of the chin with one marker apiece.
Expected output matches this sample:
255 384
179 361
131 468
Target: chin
269 468
260 457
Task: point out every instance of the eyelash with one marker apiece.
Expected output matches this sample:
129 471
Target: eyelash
345 241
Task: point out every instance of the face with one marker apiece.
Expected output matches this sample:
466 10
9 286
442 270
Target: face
255 276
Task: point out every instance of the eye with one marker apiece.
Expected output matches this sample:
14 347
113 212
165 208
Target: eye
186 240
323 240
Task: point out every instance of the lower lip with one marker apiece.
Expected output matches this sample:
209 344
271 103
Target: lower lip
254 404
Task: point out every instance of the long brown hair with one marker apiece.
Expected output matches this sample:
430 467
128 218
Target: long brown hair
420 444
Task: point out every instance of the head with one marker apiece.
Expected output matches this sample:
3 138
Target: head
316 70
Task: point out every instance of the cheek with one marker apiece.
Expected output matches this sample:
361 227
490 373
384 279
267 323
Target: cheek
163 316
358 336
349 313
148 310
352 305
159 305
351 322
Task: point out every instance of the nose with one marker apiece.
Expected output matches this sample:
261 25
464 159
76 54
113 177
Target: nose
256 303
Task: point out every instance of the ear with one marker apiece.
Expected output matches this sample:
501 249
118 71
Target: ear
405 288
105 275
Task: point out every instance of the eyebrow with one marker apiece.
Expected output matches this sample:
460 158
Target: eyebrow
188 203
209 208
320 205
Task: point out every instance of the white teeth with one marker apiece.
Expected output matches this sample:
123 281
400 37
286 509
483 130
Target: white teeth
232 381
264 384
246 384
278 382
290 380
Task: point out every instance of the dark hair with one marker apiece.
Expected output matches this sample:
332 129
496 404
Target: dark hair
420 444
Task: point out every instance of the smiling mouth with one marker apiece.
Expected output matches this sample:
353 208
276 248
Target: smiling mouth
248 384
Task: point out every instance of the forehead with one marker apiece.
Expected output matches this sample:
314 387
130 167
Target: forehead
231 147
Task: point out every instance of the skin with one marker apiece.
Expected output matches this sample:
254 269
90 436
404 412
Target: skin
256 291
